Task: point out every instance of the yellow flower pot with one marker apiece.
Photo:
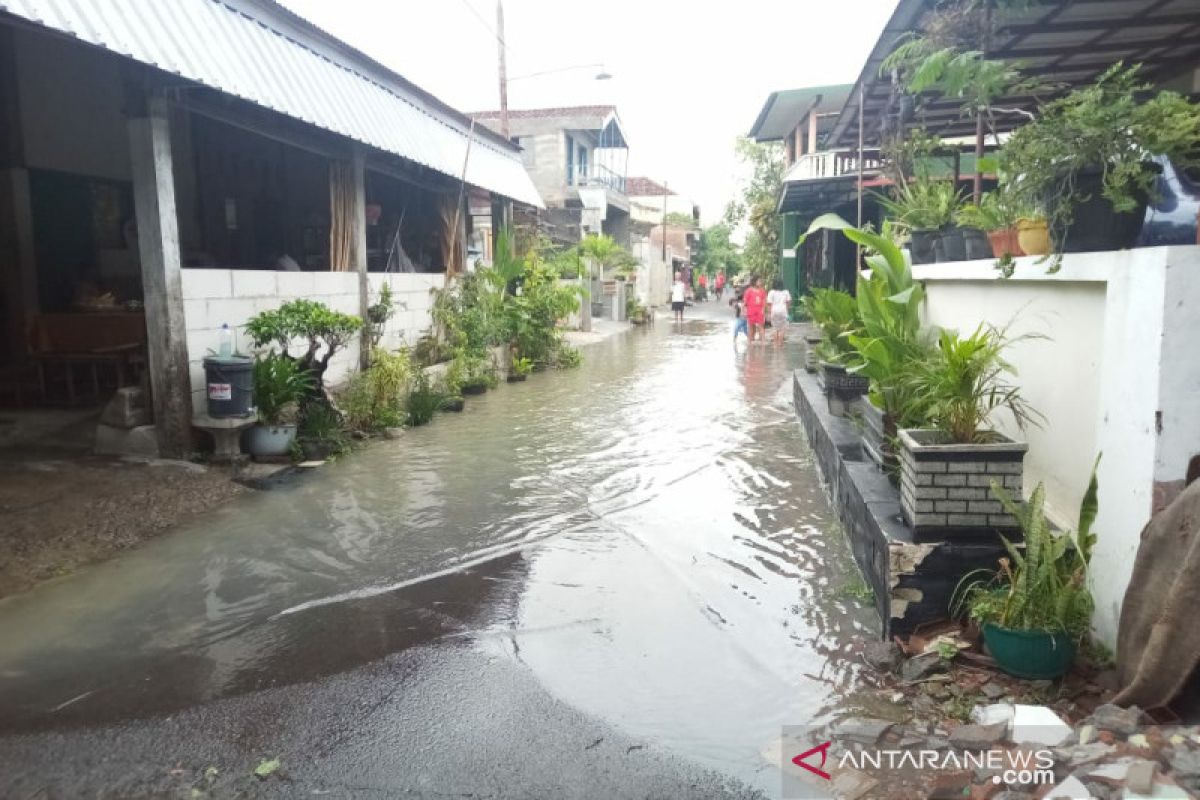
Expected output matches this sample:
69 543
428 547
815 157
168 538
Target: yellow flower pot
1033 236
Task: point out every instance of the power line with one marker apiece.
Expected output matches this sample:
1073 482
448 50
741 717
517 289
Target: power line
484 23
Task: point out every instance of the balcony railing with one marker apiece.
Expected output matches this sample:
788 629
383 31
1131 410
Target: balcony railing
832 164
598 175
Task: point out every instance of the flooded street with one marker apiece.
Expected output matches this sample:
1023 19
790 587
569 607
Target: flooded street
624 575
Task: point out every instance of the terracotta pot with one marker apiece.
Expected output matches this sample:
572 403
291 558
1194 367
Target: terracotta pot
1033 236
1005 241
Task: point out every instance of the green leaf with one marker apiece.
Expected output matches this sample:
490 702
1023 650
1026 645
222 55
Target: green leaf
266 768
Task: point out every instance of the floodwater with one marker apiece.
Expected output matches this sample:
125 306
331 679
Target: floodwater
646 536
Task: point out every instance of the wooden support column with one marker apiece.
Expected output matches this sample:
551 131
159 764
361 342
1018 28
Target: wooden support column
18 268
158 247
358 257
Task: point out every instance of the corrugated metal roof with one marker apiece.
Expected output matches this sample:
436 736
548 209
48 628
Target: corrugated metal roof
213 44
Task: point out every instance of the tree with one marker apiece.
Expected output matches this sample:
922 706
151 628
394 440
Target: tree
756 207
715 252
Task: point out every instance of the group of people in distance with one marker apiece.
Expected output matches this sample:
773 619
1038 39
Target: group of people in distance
756 306
752 307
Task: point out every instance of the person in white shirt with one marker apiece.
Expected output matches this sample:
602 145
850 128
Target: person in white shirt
678 297
779 300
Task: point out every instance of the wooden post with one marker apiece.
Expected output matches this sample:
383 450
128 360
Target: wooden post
18 268
158 248
358 256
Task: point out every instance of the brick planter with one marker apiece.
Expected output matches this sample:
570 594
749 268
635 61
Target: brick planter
811 362
842 388
878 433
945 489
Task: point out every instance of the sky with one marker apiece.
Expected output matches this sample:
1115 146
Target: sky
688 78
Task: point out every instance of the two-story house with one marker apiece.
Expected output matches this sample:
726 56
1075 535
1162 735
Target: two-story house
577 157
817 180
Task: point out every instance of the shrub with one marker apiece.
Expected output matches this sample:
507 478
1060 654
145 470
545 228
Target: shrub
279 386
423 400
374 398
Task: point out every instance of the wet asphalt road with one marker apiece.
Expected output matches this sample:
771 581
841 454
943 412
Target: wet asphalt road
614 582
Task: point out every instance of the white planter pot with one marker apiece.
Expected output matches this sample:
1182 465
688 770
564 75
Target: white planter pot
270 440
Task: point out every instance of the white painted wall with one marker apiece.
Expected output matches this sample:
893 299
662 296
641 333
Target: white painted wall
212 297
1120 356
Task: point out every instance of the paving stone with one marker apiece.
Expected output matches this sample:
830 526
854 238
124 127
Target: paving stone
851 784
1140 777
978 737
1186 764
861 730
922 666
1123 721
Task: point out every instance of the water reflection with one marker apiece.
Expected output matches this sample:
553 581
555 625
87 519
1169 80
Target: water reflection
646 534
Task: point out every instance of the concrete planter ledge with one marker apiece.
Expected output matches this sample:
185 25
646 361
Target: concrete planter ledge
913 582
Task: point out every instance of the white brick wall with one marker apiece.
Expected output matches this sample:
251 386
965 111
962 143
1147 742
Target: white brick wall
212 297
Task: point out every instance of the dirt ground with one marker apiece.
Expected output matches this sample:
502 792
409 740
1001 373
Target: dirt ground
59 513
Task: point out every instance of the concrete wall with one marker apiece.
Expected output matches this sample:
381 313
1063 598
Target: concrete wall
545 157
1116 373
213 297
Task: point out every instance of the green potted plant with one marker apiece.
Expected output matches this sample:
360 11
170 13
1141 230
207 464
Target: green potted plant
1087 158
945 469
836 314
322 331
1037 606
423 399
888 344
925 208
279 386
321 432
519 369
477 373
995 215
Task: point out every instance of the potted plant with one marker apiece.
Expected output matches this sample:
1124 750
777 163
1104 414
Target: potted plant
279 386
925 208
1086 158
1037 606
520 369
321 432
1033 236
836 314
945 469
423 400
995 216
477 375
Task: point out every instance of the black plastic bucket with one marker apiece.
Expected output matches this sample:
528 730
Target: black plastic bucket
229 386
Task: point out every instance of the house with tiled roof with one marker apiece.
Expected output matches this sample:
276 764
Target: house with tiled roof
577 157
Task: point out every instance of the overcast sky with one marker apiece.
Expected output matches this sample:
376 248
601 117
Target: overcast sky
688 77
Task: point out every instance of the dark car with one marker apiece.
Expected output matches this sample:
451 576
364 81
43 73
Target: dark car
1172 217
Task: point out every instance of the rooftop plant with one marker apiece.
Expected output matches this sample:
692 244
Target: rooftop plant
922 204
1109 125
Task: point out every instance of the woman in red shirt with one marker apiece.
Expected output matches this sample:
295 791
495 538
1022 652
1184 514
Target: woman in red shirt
755 300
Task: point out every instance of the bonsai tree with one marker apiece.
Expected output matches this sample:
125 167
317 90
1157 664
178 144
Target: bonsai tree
322 330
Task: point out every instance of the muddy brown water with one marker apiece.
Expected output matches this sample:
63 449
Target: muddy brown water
646 535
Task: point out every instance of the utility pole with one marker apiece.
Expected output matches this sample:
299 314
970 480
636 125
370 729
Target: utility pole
503 69
664 223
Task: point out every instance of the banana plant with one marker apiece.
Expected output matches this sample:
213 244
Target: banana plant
889 341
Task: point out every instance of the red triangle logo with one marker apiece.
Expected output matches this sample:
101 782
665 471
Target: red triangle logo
823 749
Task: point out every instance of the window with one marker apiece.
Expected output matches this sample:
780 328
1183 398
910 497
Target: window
583 163
570 161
